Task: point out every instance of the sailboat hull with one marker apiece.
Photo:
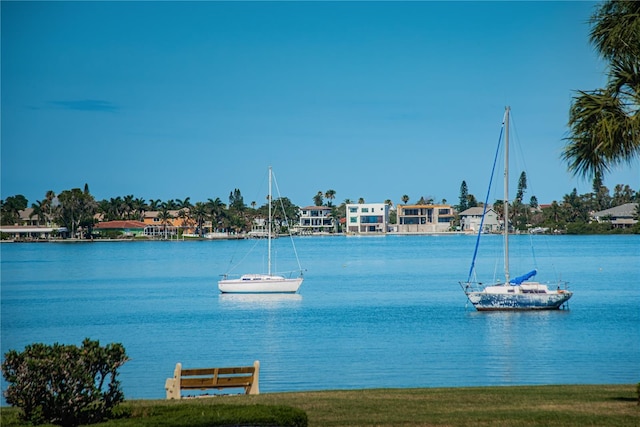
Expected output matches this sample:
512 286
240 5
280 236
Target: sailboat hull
483 301
260 284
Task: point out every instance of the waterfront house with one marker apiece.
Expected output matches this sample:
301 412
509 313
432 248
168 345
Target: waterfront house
259 228
316 219
470 220
27 218
427 218
179 219
367 218
622 216
32 232
30 227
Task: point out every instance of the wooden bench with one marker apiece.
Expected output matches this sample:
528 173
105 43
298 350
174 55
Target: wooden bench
213 378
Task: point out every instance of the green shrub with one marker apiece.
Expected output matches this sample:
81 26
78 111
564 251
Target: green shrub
580 227
64 384
111 234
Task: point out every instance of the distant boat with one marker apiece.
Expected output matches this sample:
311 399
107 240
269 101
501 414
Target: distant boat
263 283
518 293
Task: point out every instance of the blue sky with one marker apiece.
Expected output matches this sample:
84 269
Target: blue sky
168 100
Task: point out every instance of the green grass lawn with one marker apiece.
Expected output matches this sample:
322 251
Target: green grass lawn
581 405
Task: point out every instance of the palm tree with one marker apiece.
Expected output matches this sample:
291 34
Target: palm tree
154 204
605 123
127 202
171 204
317 199
216 211
622 194
39 208
118 207
553 213
185 218
164 216
498 208
200 214
330 195
103 208
184 204
574 207
139 207
404 199
51 200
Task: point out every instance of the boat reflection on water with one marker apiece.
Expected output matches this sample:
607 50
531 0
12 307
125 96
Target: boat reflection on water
259 300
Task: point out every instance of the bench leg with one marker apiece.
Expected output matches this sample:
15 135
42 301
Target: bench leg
173 391
172 385
255 385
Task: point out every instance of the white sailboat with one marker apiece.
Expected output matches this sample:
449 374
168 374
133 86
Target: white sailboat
518 293
263 283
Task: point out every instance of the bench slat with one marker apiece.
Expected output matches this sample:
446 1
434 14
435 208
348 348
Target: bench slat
237 381
221 371
202 383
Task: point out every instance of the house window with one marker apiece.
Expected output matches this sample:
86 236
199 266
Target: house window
353 210
365 210
371 219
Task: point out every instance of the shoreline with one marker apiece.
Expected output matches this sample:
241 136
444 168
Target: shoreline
245 237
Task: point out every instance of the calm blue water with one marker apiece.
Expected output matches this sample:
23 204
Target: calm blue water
372 311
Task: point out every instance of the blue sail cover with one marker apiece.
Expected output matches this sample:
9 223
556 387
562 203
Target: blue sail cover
518 280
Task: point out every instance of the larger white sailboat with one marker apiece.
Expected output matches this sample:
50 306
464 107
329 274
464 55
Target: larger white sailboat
263 283
519 293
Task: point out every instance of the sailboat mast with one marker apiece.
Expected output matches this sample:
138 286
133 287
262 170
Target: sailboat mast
269 228
506 195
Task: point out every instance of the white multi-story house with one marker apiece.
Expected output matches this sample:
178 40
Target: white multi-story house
366 218
470 220
316 219
424 218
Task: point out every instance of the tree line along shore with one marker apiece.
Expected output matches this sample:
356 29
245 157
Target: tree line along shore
77 209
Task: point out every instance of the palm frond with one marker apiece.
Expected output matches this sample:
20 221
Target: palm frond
616 29
602 134
624 82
